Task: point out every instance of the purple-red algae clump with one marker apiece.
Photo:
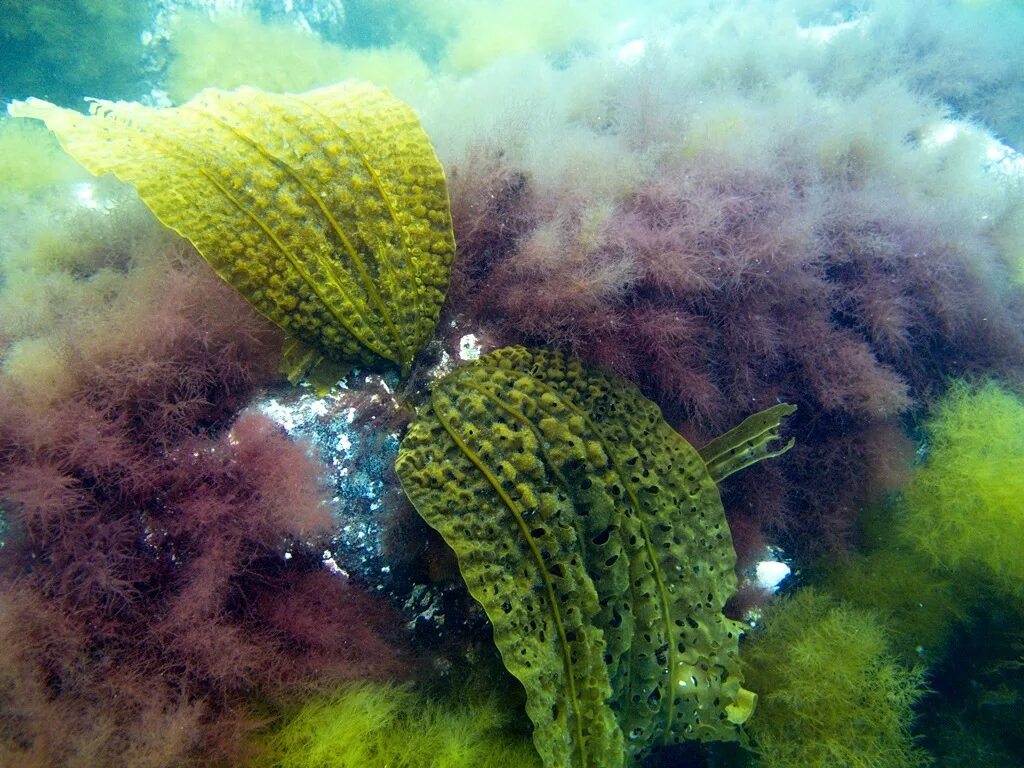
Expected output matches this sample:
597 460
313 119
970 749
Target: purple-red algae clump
720 290
163 560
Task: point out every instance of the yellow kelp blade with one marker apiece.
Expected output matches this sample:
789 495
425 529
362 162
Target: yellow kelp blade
328 211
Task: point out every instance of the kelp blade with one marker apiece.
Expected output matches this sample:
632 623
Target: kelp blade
328 211
748 443
595 540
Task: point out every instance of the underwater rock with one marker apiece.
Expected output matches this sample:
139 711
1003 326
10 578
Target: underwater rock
357 455
355 471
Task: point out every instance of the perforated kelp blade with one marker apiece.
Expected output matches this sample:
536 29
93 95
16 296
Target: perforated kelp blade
594 537
328 210
746 444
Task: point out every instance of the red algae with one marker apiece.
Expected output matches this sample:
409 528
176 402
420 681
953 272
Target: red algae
720 290
163 563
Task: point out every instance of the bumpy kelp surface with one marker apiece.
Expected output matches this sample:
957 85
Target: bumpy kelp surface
327 210
594 537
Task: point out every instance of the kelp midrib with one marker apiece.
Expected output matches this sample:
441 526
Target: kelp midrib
538 559
353 253
363 158
662 592
403 233
556 471
668 701
384 258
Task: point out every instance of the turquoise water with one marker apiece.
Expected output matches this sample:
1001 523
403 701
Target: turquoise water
716 207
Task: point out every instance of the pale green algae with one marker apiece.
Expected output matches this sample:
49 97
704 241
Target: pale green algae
385 724
833 693
965 503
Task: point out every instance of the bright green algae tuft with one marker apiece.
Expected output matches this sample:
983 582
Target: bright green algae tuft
383 724
833 694
965 504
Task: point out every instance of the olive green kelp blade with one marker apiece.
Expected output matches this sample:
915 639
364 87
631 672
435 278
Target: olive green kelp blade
328 210
595 539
